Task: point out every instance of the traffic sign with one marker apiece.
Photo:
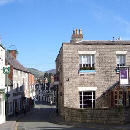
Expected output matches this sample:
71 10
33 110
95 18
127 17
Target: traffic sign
6 69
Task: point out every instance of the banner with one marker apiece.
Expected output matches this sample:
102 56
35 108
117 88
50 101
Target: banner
124 75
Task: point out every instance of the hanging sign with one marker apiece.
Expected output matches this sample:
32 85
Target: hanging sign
124 75
6 69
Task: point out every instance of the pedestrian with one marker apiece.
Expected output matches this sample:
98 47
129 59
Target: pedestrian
51 102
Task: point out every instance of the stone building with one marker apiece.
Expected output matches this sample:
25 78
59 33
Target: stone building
86 69
2 85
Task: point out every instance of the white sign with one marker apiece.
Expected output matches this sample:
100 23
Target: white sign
124 75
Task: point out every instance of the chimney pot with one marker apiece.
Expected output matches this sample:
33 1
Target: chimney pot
76 31
80 31
73 31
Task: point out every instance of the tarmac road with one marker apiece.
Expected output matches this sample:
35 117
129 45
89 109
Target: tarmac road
44 117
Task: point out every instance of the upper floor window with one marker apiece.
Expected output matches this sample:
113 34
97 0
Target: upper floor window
121 59
86 62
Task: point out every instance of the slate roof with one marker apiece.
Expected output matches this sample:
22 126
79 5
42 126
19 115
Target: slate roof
100 42
15 63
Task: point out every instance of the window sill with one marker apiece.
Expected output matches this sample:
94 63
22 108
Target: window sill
87 71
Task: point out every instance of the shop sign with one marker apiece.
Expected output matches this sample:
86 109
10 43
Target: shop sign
124 75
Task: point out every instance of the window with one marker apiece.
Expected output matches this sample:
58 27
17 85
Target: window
86 62
121 60
87 99
118 98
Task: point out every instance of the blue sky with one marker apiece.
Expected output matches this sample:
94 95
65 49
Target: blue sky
38 27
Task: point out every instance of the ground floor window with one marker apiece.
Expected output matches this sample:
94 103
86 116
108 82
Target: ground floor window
87 99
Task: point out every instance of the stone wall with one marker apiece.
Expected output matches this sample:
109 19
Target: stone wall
106 116
59 72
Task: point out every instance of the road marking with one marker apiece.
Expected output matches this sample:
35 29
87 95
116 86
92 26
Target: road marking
16 126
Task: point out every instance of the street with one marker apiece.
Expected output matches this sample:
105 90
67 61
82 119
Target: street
43 117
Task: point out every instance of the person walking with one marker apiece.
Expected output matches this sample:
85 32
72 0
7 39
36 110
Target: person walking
51 102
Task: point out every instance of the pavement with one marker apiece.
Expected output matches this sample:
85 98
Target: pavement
11 123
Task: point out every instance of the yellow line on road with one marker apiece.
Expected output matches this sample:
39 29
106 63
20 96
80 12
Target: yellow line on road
16 126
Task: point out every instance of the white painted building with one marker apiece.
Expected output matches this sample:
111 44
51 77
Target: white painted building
18 84
39 92
32 91
43 92
2 85
19 90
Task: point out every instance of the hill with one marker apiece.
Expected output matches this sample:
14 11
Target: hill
35 72
53 71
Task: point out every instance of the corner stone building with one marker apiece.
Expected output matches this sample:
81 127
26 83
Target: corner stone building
86 69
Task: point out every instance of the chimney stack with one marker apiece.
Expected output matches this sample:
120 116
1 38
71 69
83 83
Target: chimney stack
78 36
13 53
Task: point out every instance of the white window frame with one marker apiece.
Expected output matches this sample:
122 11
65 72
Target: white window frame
92 99
121 57
91 56
87 89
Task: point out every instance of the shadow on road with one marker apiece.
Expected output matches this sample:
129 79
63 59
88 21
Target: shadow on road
44 117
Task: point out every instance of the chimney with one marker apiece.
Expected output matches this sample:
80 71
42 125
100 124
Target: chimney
73 35
76 32
13 53
78 36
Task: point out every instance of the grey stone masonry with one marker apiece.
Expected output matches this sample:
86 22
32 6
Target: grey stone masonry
105 76
106 116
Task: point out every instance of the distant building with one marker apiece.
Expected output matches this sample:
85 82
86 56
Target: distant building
86 69
31 86
39 88
2 85
53 88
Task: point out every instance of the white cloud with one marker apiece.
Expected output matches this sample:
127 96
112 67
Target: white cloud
3 2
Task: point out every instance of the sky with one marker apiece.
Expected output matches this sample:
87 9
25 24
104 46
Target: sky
37 28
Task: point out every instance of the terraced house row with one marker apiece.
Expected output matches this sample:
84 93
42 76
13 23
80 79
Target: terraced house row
17 89
88 73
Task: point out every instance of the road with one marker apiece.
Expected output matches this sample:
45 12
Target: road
44 117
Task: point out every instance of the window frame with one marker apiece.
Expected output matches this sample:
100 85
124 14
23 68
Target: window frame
120 59
90 58
92 99
118 65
